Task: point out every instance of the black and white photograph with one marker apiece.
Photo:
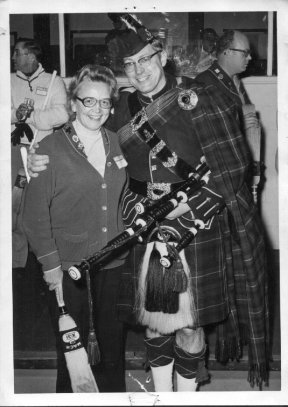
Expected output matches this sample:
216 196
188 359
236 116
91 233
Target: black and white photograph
143 203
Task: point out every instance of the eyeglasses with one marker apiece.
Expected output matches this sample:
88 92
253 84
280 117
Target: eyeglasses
245 52
129 66
90 102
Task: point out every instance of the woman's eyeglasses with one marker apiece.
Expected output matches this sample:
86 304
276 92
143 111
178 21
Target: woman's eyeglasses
90 102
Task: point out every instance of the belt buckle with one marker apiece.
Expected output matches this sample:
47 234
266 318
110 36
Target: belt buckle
160 186
138 120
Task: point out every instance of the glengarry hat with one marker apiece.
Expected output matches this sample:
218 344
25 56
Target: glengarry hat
135 36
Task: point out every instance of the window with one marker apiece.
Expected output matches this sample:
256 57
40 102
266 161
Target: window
87 36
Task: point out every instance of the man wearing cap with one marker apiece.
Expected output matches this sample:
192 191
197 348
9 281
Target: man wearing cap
191 120
165 127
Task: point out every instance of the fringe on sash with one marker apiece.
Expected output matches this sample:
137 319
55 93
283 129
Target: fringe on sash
230 348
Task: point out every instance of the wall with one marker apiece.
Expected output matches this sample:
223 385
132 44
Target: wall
22 24
263 93
235 21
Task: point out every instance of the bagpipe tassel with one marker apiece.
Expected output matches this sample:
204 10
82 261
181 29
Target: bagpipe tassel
93 349
154 284
93 346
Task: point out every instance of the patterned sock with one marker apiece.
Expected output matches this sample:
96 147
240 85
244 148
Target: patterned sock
190 365
160 356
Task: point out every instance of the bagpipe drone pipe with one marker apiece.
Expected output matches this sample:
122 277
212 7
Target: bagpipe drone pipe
151 214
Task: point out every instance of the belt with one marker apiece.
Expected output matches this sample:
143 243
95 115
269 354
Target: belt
153 190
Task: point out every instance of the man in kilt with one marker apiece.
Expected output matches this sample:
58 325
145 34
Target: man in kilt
165 127
162 122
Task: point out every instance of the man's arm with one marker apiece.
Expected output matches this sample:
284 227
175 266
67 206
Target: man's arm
55 114
37 226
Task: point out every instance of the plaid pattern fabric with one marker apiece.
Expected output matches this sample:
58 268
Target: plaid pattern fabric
242 264
226 155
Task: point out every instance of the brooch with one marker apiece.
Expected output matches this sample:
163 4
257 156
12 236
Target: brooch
138 120
187 99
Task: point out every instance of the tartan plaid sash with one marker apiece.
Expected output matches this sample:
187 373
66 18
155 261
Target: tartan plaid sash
158 113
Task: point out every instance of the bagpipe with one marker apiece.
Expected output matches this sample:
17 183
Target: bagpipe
206 204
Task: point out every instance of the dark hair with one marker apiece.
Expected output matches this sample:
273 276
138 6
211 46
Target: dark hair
225 41
94 73
33 46
210 32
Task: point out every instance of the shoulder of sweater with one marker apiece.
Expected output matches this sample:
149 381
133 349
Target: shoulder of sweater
110 133
52 142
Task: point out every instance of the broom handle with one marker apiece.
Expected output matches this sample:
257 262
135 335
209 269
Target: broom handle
44 105
59 295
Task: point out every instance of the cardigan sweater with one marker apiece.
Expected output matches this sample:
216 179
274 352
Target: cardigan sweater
70 210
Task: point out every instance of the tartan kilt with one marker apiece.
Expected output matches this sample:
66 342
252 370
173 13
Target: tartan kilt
206 260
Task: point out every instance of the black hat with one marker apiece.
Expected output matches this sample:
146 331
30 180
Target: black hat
115 17
135 37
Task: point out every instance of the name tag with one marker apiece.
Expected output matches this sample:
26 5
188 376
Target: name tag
120 161
41 91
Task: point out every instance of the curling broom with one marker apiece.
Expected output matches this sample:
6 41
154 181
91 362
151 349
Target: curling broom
81 376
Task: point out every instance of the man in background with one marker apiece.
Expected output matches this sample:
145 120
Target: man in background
233 57
32 115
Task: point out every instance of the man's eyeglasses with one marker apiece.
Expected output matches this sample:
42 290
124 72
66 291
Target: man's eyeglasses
18 53
90 102
245 52
129 66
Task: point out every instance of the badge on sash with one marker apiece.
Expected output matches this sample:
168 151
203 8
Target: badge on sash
120 161
187 99
41 91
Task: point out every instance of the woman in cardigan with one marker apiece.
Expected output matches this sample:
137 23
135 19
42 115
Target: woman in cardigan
73 209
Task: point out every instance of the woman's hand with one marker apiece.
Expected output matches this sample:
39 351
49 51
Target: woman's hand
36 162
178 211
53 278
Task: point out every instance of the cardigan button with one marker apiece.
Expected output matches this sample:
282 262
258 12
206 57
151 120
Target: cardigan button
104 229
104 186
109 164
104 208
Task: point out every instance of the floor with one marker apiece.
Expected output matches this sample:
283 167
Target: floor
34 352
43 381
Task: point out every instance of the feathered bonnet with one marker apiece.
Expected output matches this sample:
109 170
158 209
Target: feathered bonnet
133 38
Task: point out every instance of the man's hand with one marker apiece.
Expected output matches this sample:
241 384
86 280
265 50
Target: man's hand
23 112
36 162
251 120
178 211
53 278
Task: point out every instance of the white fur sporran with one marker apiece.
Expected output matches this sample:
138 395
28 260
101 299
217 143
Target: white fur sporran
162 322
